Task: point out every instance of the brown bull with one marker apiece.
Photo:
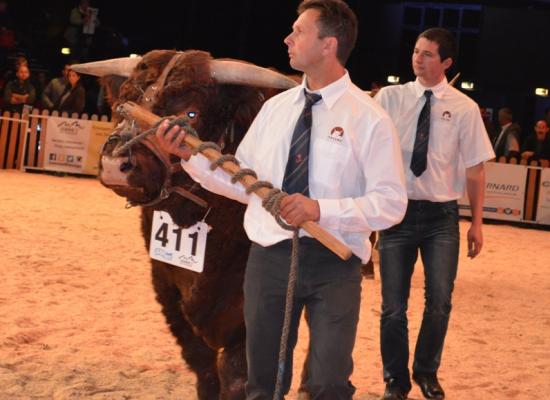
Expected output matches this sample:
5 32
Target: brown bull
220 99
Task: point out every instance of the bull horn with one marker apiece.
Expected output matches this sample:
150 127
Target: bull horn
236 72
116 66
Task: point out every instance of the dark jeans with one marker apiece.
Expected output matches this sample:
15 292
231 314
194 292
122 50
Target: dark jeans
330 291
431 228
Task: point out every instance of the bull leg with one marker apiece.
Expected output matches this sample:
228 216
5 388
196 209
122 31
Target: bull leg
200 358
232 372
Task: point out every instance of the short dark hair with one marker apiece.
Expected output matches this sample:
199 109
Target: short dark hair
335 19
444 39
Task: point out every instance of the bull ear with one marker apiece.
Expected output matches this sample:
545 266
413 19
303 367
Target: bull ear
241 73
116 66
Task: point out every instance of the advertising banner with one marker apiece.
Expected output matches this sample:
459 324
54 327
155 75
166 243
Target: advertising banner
66 144
504 192
543 208
99 134
73 145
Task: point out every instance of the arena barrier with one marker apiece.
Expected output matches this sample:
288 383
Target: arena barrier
515 192
52 141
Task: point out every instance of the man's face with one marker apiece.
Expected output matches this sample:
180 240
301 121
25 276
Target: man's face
305 49
427 64
22 73
541 130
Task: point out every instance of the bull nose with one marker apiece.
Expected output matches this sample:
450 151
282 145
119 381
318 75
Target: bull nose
114 170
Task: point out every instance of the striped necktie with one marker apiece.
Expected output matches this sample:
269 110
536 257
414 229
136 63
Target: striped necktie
420 150
296 172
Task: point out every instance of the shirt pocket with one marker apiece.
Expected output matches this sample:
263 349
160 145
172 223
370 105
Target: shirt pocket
444 139
328 159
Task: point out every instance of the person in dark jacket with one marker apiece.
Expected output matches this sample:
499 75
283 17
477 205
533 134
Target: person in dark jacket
20 91
537 146
73 98
507 141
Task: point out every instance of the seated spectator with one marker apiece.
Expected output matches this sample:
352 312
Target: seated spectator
489 126
73 98
53 91
507 141
20 91
537 146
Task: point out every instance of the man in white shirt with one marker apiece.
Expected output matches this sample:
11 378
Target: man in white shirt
507 141
355 186
436 173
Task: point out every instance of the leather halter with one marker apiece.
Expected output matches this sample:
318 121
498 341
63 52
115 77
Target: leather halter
148 100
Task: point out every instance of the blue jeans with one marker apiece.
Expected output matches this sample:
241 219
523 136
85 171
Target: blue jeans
330 291
431 228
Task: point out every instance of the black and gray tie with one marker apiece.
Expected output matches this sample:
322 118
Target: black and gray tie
420 150
296 172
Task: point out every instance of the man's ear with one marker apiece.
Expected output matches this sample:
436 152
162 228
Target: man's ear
447 63
330 45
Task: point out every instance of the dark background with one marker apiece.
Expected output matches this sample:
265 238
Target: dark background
504 45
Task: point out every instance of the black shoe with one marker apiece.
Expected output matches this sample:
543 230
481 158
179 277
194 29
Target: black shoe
430 387
394 391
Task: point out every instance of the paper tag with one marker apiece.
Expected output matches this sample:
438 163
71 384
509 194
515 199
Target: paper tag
174 245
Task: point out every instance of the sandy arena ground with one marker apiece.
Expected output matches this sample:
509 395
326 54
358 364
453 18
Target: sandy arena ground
78 317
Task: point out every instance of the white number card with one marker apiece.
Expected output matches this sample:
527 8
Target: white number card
174 245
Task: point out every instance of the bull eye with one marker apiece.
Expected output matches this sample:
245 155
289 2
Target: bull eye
191 114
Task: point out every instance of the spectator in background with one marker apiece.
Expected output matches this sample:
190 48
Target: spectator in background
537 146
20 91
489 126
507 142
53 91
82 23
73 99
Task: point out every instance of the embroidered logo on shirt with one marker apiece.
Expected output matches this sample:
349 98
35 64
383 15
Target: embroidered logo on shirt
337 134
446 115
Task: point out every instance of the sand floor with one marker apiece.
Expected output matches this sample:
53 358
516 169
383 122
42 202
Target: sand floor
78 317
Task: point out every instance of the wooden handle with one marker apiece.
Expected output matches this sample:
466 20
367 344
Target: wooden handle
147 119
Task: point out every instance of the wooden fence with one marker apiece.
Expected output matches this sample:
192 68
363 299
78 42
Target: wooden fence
22 136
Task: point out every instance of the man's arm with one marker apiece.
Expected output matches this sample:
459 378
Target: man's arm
475 186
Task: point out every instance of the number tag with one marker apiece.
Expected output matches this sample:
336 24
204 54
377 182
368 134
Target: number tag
174 245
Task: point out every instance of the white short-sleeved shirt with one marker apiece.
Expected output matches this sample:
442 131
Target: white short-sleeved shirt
458 139
355 163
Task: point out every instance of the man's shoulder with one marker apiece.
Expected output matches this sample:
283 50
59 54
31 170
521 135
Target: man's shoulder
283 97
396 90
456 95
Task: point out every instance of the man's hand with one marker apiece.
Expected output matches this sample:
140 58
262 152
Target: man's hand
527 154
19 98
475 240
297 209
171 142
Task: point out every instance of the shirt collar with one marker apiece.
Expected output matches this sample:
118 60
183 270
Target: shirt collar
437 90
331 93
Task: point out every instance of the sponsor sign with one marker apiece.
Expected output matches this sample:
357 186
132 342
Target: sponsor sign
73 145
504 192
543 208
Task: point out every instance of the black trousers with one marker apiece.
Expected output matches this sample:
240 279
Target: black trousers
330 291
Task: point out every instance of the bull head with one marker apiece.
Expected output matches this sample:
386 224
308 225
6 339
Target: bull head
220 98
